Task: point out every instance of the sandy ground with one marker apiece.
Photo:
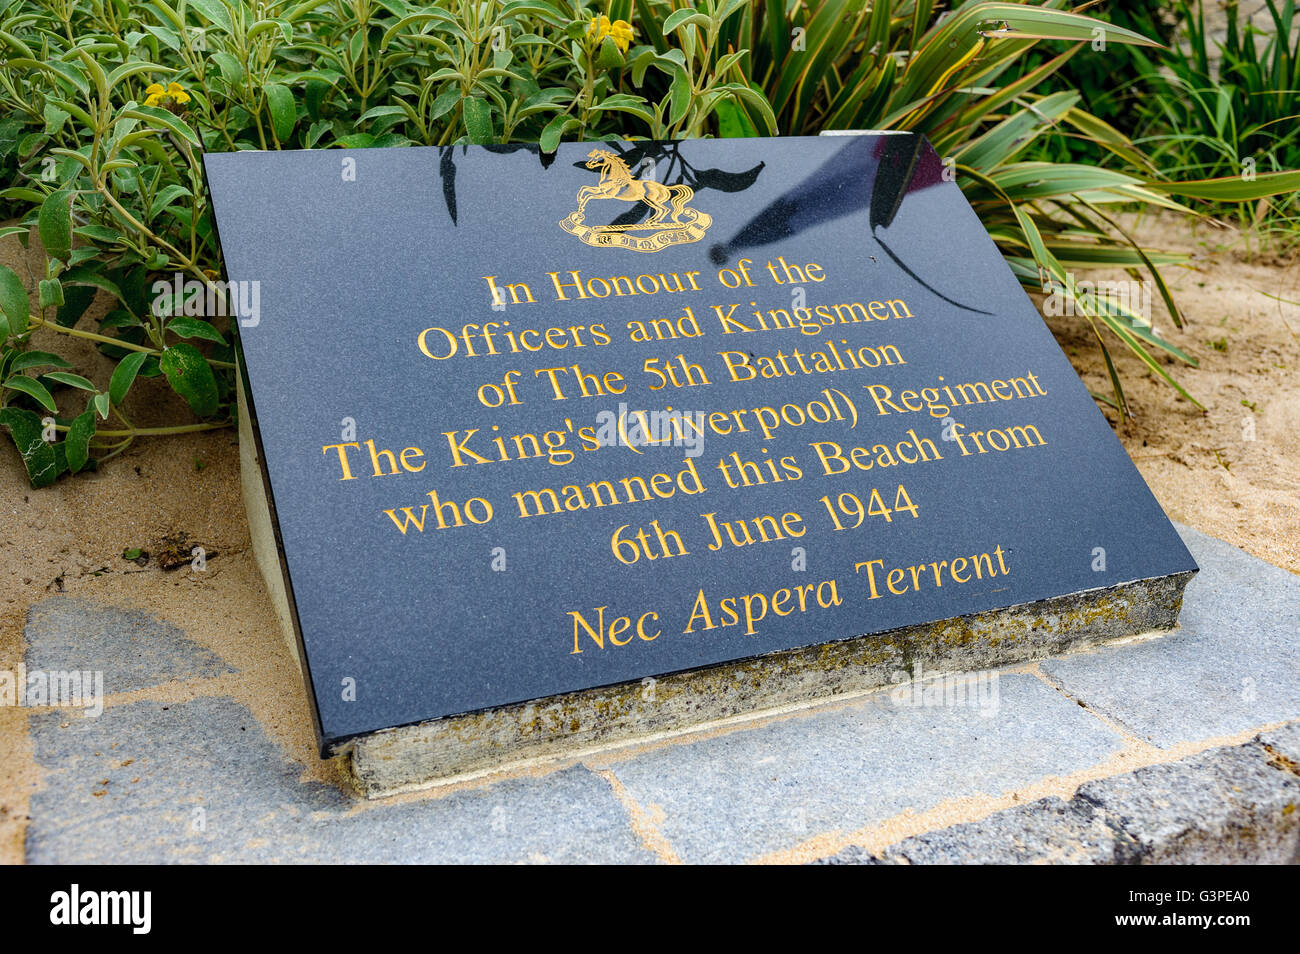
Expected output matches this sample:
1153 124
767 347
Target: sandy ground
1232 471
69 538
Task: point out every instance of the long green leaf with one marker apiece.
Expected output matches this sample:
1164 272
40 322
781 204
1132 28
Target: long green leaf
123 375
38 456
1232 188
77 444
34 389
54 224
14 303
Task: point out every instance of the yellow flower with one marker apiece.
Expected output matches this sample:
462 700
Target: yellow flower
155 95
620 31
598 27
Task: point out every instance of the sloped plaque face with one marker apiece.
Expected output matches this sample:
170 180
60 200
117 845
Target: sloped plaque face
536 424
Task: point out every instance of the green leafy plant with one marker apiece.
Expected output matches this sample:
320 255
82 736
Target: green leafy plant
1238 121
957 80
1105 77
106 108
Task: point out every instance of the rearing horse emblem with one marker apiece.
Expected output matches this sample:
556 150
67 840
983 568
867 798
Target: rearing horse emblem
671 222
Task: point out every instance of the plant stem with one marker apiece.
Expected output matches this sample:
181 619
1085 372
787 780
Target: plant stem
156 431
105 339
91 336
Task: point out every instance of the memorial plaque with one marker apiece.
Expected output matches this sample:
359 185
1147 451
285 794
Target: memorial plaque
539 425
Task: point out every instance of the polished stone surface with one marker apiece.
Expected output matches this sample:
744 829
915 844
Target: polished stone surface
392 310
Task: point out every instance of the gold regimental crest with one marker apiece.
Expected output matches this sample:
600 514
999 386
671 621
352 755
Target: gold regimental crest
670 222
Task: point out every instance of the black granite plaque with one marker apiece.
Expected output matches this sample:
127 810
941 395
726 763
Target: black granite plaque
534 424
